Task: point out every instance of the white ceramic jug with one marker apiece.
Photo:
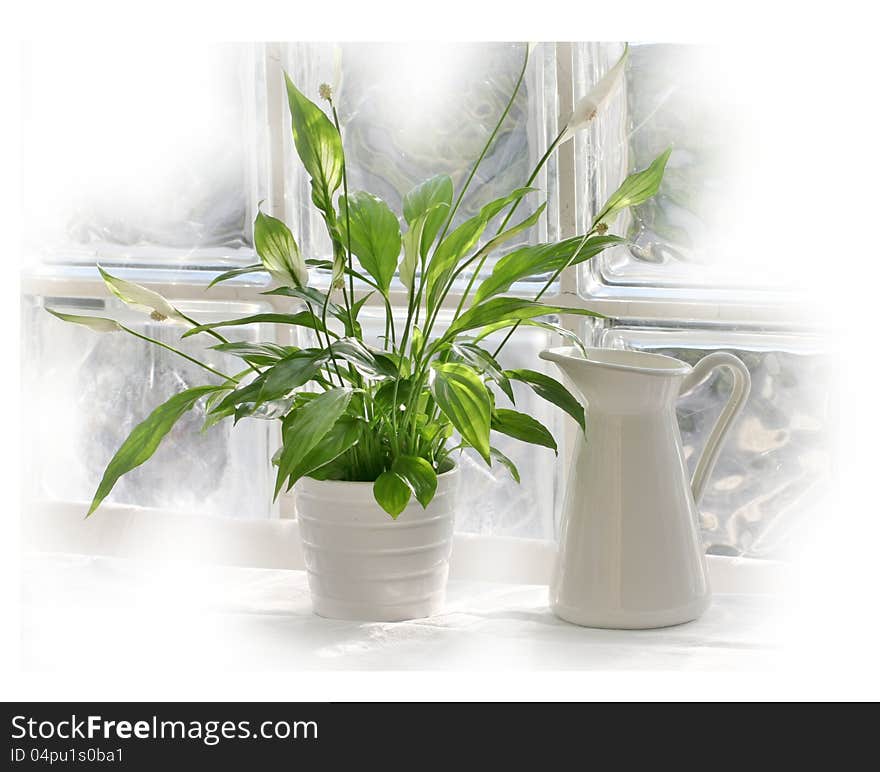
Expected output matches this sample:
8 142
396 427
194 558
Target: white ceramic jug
630 553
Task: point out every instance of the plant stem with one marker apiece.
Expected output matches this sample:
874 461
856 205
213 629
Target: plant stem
543 160
179 353
486 147
217 336
531 179
411 303
546 286
329 346
347 216
389 325
429 323
318 336
420 367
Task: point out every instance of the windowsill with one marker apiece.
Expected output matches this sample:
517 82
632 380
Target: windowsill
114 612
142 533
187 591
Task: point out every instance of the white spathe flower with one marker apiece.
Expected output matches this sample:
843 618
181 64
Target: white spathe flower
590 105
279 253
96 323
141 298
338 72
411 241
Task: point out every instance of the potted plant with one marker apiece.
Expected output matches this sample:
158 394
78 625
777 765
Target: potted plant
370 434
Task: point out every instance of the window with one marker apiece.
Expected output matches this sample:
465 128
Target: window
87 391
768 483
140 158
430 107
155 172
682 242
680 287
211 130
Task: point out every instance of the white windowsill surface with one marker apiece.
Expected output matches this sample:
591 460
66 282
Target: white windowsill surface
89 612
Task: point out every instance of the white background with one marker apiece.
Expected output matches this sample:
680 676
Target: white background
807 85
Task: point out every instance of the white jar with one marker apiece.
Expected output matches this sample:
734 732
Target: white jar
363 565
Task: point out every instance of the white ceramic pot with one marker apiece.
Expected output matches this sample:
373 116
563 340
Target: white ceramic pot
363 565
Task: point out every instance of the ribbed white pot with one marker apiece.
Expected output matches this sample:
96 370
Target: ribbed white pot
363 565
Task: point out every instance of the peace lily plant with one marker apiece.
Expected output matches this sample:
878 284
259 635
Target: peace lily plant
395 415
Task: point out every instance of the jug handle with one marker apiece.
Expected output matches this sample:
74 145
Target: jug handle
735 402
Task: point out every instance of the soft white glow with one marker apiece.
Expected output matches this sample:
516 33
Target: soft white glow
139 135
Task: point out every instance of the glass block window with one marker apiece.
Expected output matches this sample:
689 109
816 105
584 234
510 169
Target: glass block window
773 473
152 155
692 235
86 391
411 111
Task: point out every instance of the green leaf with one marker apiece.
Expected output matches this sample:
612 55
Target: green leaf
538 260
316 299
400 363
215 398
552 390
448 253
256 268
374 233
290 373
391 492
418 342
505 462
299 319
327 265
318 145
459 242
358 305
279 251
510 310
411 241
370 360
436 432
307 427
249 393
482 361
256 353
385 395
96 323
344 434
312 295
508 234
140 297
430 200
419 475
636 189
464 399
145 438
337 469
522 427
567 335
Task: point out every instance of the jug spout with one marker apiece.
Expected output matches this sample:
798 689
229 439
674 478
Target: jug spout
620 381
